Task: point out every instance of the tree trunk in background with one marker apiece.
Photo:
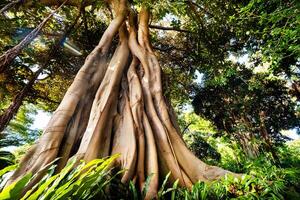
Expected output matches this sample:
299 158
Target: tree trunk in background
116 105
9 5
250 149
267 140
296 89
7 58
12 110
249 138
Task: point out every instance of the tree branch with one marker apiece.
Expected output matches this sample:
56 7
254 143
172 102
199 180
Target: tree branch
76 3
170 48
45 98
9 5
169 28
200 7
186 127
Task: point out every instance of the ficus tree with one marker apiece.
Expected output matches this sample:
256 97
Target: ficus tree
116 105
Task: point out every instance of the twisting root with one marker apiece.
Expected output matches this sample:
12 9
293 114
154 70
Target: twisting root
196 169
96 139
137 107
124 141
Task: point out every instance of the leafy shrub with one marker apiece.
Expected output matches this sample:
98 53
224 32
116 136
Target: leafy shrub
97 180
85 181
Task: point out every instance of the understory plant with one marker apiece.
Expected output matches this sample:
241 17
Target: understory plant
75 181
260 179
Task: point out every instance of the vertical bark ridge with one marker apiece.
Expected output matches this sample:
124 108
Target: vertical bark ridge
124 141
196 170
160 132
155 80
151 161
98 134
137 107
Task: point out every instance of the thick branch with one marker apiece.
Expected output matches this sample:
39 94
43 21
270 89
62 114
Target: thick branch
12 53
200 7
9 5
58 2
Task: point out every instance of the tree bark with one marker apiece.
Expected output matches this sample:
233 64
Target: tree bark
9 5
12 110
116 105
265 136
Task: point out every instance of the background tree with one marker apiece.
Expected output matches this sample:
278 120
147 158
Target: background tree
12 53
19 98
275 40
248 106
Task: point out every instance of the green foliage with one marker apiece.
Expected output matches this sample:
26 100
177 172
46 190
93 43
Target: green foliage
93 179
6 159
198 144
261 179
14 191
248 106
19 130
133 190
75 181
272 28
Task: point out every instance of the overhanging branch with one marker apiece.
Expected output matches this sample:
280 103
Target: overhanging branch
169 28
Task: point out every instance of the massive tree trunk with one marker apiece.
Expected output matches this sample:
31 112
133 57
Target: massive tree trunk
116 105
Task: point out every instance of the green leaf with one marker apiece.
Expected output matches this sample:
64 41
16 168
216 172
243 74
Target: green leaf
133 190
161 191
7 169
175 184
14 190
146 186
41 189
